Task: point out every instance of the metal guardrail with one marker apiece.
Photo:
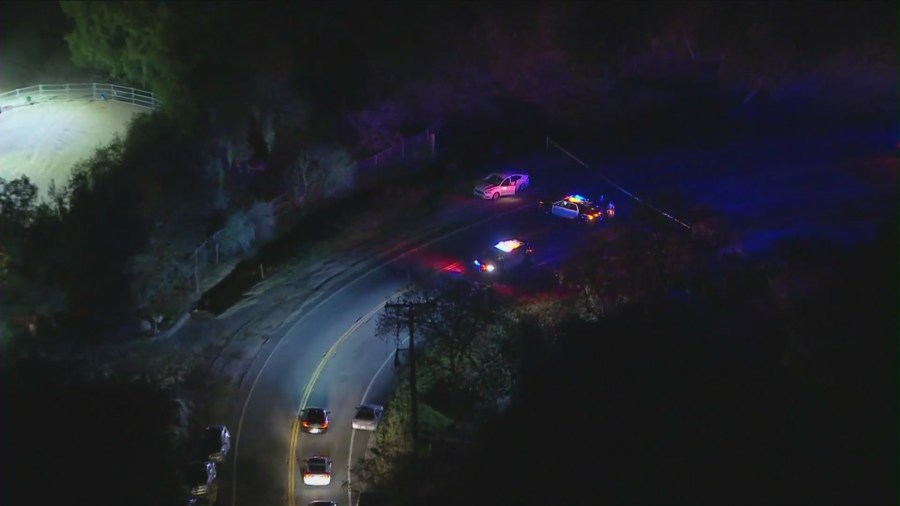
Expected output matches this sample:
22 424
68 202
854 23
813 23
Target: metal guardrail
79 91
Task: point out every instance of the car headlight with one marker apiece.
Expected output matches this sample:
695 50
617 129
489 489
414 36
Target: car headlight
490 268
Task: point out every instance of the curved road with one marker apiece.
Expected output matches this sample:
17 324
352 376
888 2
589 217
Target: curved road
330 357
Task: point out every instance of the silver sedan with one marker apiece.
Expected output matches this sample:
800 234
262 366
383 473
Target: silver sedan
367 417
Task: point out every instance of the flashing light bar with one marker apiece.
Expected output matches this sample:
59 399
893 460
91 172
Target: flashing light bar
578 199
507 246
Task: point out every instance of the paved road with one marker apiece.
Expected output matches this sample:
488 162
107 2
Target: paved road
330 356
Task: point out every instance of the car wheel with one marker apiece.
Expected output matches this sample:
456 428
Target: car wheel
495 196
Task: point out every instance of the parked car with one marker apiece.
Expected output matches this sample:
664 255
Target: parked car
216 442
314 420
500 184
502 257
318 471
367 417
201 478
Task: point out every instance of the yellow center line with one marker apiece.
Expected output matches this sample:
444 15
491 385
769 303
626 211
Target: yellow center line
295 426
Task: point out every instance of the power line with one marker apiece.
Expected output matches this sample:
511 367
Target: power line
616 186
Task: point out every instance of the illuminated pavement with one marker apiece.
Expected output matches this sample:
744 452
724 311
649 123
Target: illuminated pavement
329 356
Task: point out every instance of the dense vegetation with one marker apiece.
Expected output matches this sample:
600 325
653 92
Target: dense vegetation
249 116
743 382
781 399
88 439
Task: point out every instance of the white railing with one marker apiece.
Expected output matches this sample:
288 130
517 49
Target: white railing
79 91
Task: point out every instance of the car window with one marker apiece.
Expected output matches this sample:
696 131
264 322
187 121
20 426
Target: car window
365 414
317 466
315 415
514 178
505 182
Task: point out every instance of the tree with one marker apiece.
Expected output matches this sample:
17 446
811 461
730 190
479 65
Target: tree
107 421
237 235
297 176
130 40
323 172
17 207
18 199
262 216
160 270
27 288
467 353
377 127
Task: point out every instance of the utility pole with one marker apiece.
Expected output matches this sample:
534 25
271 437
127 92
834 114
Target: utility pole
409 310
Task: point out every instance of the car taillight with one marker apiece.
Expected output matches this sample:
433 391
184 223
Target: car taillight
305 423
325 425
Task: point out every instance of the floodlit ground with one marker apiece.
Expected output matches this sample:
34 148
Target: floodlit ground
45 141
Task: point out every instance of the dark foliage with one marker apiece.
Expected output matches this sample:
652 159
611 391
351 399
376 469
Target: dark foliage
86 441
701 401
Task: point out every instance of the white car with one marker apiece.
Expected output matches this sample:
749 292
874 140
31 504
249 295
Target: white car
317 472
367 417
500 184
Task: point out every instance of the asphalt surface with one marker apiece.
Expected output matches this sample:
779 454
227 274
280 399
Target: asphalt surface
331 358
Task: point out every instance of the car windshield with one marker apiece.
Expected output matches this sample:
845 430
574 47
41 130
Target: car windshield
494 179
315 415
365 414
317 466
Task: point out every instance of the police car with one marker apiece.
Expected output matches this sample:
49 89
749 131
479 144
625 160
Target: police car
578 207
505 255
